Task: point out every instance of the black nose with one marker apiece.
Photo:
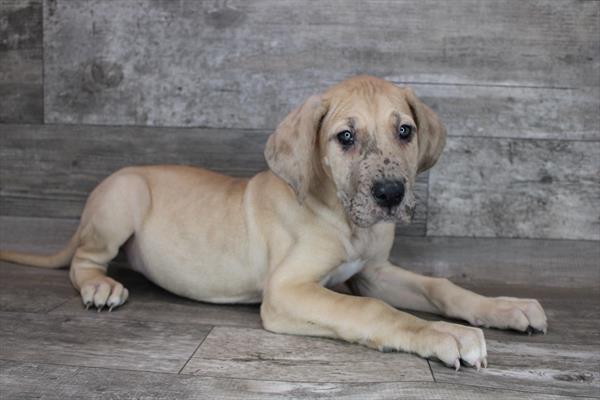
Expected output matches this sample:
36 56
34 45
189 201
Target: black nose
388 193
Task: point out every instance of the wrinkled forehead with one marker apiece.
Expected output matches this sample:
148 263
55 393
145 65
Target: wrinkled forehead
367 111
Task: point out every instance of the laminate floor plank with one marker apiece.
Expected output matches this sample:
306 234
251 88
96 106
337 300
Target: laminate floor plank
97 341
29 289
233 352
503 261
24 381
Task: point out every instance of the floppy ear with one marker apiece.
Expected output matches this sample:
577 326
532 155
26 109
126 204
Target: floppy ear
431 133
290 149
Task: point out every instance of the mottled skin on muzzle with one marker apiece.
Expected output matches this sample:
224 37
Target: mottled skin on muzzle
358 200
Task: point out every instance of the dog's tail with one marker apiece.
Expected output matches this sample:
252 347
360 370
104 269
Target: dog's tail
59 259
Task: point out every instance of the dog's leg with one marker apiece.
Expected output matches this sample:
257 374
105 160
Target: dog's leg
112 213
407 290
310 309
89 265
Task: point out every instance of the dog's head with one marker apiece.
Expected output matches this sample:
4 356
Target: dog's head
367 136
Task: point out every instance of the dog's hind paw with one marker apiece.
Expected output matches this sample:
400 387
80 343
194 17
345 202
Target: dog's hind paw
103 292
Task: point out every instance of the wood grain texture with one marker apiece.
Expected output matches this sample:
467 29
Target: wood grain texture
516 188
552 263
49 170
22 381
98 341
245 64
516 112
28 289
232 352
38 235
21 65
568 370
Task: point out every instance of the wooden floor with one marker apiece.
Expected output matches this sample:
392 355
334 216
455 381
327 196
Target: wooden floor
162 346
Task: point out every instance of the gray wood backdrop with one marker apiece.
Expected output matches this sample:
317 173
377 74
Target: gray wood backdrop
88 86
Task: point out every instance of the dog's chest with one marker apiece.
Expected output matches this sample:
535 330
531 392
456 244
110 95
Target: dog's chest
356 248
343 272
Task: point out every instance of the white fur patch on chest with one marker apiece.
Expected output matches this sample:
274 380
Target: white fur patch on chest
343 272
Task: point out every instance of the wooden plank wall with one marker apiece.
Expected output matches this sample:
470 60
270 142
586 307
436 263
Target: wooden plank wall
21 70
204 82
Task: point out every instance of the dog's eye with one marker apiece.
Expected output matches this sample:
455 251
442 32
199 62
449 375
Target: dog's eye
346 138
405 131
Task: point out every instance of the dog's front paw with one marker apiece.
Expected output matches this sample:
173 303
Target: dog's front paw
101 292
453 344
525 315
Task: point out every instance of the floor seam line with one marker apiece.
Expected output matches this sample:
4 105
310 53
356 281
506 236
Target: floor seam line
194 352
431 371
60 305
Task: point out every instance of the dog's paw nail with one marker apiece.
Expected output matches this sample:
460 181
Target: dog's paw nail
484 363
478 366
111 308
88 305
529 330
456 365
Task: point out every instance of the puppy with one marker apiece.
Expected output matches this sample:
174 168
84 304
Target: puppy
342 170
